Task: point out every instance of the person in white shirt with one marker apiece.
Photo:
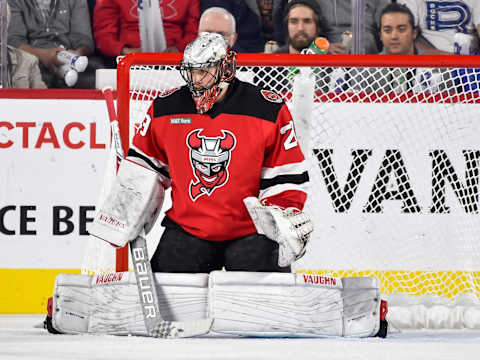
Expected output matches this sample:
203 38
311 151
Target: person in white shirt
440 20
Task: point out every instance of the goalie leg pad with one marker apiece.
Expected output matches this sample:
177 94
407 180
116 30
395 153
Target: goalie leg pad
109 303
242 304
293 305
135 198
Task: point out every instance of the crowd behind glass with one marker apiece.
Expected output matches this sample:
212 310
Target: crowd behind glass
98 31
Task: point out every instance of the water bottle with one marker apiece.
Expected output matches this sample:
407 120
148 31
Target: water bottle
464 44
302 101
79 63
69 75
347 40
318 46
428 80
337 80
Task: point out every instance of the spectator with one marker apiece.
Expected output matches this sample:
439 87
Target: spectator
116 31
398 34
304 23
339 12
22 68
438 22
220 21
45 27
254 21
339 15
397 30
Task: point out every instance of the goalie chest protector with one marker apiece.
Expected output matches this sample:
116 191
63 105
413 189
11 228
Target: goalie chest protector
216 159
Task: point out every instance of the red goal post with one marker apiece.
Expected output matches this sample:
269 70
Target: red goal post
395 168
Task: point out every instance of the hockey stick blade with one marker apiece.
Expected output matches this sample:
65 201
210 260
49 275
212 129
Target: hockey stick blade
156 326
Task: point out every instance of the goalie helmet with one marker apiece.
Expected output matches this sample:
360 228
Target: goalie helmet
208 64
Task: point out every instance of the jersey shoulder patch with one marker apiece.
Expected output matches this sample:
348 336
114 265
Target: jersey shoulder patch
271 96
165 93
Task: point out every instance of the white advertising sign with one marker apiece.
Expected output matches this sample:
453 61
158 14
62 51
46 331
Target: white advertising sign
52 158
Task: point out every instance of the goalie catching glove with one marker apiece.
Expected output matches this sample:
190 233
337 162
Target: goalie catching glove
290 228
133 204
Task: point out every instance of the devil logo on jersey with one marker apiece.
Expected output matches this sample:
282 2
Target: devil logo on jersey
209 157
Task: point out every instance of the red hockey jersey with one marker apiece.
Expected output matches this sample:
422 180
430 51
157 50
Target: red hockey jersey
115 24
244 146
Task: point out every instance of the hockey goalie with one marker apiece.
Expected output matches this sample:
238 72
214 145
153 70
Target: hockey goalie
229 152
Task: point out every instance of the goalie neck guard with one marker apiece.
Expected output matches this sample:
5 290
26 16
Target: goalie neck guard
208 65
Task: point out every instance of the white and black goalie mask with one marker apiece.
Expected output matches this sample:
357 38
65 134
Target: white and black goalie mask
208 64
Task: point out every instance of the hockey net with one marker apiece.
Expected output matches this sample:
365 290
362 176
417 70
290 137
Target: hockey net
394 158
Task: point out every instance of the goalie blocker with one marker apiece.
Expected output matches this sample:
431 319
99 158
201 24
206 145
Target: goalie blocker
241 304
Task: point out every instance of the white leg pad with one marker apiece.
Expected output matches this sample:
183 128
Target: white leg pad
293 305
241 303
109 304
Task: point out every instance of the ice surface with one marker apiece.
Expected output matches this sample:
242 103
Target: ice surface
20 340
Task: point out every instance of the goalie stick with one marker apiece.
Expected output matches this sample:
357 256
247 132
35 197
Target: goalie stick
112 115
156 326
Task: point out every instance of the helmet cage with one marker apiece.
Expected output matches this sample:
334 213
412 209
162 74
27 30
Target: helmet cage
205 98
195 87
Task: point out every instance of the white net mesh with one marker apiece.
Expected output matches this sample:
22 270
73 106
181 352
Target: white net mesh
395 166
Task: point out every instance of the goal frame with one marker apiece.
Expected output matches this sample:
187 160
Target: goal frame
448 291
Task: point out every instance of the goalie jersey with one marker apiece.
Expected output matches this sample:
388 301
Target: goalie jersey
244 146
